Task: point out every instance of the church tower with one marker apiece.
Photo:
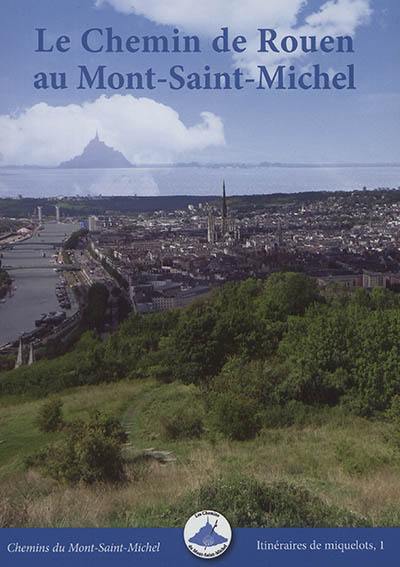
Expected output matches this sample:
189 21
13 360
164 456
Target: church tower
211 233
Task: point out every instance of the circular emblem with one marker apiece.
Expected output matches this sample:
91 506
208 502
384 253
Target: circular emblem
207 534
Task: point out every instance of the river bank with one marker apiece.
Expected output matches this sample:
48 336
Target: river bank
5 283
32 266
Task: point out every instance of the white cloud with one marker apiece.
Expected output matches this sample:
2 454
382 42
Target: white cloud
340 16
334 17
142 129
207 15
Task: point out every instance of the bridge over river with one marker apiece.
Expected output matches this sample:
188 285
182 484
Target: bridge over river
37 242
59 268
34 280
31 244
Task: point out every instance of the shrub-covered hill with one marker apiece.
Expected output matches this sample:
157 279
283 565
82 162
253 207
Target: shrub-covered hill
253 345
298 393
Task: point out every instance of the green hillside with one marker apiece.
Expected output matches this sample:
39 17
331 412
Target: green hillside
349 462
266 389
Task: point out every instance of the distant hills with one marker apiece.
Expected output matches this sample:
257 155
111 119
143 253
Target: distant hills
79 206
97 155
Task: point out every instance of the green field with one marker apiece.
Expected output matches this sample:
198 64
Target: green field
351 462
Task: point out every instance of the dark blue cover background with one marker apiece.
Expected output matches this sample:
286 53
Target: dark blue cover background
243 551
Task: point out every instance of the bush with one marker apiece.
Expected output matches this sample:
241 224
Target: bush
90 452
50 416
248 503
292 413
393 413
236 417
187 425
256 380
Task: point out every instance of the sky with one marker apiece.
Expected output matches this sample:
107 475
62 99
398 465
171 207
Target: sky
45 127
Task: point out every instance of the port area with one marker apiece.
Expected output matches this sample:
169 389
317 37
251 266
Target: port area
53 329
65 293
16 238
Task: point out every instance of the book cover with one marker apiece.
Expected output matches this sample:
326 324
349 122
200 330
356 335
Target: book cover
199 282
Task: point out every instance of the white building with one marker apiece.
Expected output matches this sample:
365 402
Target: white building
93 227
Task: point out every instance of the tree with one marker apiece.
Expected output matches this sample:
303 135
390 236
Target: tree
287 294
343 354
96 309
197 352
73 241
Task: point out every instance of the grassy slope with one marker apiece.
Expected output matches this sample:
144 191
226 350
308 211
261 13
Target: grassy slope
351 462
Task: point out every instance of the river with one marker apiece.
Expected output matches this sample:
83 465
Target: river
192 180
34 286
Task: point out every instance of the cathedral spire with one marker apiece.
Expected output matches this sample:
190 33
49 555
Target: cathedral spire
224 210
224 204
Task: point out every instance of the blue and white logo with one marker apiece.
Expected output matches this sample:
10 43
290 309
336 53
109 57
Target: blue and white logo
207 534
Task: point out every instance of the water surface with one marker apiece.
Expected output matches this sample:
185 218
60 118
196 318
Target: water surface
34 286
192 180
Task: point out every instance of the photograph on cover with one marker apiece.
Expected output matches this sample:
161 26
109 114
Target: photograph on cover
199 265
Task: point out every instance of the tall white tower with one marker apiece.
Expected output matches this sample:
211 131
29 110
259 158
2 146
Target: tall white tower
58 216
20 356
40 214
211 233
31 355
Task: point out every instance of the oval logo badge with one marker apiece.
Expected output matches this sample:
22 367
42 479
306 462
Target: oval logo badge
207 534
